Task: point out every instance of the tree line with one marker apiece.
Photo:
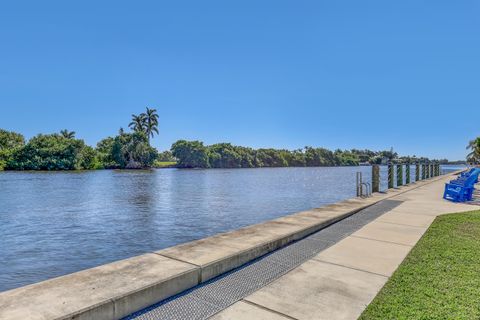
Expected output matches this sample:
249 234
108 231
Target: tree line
194 154
63 151
132 150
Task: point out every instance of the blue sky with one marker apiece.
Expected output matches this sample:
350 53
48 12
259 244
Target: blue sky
284 74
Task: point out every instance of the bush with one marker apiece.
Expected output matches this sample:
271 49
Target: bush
10 142
132 151
48 152
190 154
88 159
166 156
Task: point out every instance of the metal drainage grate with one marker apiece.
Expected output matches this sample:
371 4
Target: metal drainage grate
211 297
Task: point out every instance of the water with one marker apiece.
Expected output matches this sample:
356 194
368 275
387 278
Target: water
53 224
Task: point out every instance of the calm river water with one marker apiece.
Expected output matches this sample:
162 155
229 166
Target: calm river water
52 224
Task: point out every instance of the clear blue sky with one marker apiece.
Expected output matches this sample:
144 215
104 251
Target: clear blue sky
285 74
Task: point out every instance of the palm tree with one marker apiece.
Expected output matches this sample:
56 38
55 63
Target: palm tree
151 121
138 123
474 145
67 134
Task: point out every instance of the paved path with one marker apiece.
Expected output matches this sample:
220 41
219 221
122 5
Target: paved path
211 297
339 282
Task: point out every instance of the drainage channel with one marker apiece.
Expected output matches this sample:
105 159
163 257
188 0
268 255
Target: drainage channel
211 297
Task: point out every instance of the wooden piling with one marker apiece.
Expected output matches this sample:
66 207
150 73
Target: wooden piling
375 178
407 173
390 175
399 175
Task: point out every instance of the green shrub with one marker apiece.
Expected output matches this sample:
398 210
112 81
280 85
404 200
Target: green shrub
10 142
132 151
190 154
49 152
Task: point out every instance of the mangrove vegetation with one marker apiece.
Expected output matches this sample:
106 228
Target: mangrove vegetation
63 151
132 150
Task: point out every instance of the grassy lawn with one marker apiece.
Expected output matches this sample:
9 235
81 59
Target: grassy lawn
440 278
164 164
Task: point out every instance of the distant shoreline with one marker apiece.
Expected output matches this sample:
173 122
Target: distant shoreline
186 169
132 150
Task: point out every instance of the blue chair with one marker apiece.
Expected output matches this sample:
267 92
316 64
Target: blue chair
454 193
461 189
469 173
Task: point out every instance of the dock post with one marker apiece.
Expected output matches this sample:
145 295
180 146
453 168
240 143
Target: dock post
390 175
424 173
359 184
399 175
417 171
407 173
432 169
375 178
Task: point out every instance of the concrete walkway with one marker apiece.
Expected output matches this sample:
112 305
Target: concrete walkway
342 280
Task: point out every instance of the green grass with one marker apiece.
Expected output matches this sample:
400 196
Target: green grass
440 278
164 164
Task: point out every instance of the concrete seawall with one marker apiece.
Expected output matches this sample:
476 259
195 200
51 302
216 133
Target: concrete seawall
117 289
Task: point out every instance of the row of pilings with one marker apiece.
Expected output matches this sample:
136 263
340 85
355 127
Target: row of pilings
422 171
